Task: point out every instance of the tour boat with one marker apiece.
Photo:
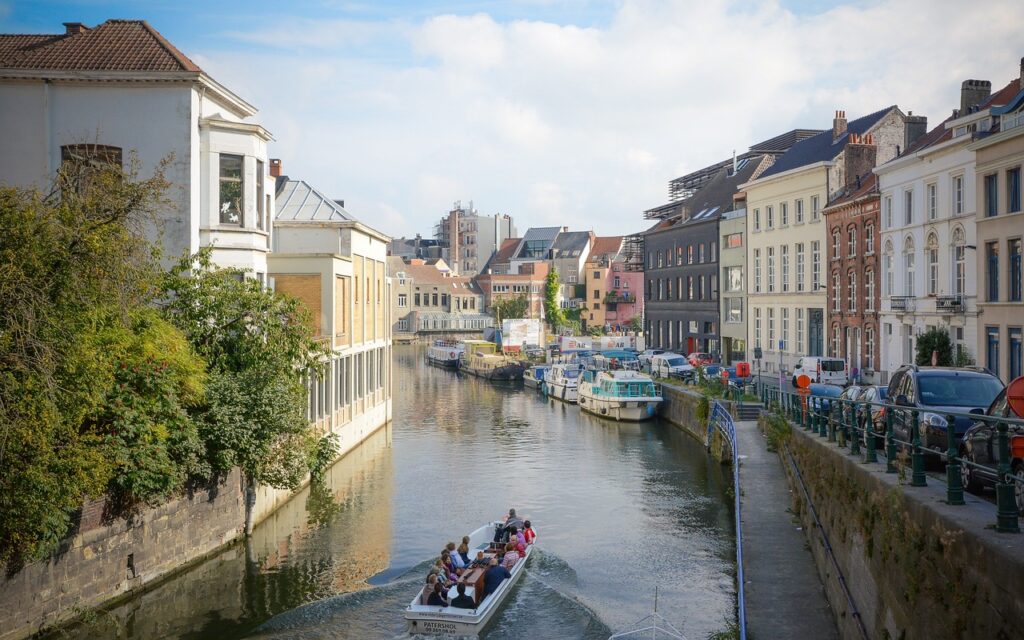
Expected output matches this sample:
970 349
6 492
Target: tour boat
536 375
619 394
444 353
452 621
563 381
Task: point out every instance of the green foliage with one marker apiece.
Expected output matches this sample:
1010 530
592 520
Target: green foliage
595 331
510 308
934 339
636 324
552 310
703 408
730 632
257 344
778 431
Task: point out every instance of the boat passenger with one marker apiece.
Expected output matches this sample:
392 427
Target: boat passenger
428 588
521 537
462 601
437 597
457 560
528 533
449 564
494 577
511 520
464 552
480 561
511 556
515 538
442 573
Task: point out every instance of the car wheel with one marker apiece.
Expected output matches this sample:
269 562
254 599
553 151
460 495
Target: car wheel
968 476
1018 486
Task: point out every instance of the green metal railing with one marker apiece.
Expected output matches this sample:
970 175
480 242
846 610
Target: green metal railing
850 424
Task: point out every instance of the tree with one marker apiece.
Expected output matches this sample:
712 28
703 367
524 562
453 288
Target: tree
552 310
934 339
510 308
636 324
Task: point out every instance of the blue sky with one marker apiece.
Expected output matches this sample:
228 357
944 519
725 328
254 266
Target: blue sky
574 112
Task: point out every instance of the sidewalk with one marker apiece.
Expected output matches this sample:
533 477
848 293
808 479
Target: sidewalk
785 597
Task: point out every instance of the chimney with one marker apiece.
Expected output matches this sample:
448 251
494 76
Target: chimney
838 125
74 28
973 93
916 126
275 167
859 158
1021 86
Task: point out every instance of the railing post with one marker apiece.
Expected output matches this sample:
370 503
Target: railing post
1006 504
870 437
831 421
954 481
890 442
917 478
822 421
805 414
855 435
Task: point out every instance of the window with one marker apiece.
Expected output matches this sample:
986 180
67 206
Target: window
887 271
617 282
851 241
757 327
888 212
712 251
661 260
869 290
1016 359
834 254
932 255
798 211
403 299
597 294
689 254
959 261
231 189
785 267
992 275
661 289
908 267
908 206
771 269
757 271
815 209
597 275
689 287
784 336
835 341
799 266
851 289
416 297
771 327
713 286
958 195
769 218
1013 190
869 348
992 350
1014 247
700 253
933 201
733 240
991 195
679 256
815 265
261 208
668 290
733 279
700 288
835 292
784 214
757 219
734 310
869 239
799 330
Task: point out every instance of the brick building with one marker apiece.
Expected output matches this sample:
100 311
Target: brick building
529 282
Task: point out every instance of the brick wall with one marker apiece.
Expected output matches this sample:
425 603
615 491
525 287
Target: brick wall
305 288
93 566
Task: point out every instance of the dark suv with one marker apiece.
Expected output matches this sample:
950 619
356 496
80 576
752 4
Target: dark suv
935 391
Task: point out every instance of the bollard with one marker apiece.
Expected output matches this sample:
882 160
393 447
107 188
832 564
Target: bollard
917 478
855 434
870 437
890 443
1006 504
954 481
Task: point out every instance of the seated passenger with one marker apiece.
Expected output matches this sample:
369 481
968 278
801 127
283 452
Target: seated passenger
464 552
529 533
516 538
456 557
511 556
442 574
494 577
480 560
437 596
521 537
428 588
462 601
449 565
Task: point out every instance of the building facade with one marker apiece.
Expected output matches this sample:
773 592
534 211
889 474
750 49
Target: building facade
528 282
426 298
1000 234
613 294
732 230
469 239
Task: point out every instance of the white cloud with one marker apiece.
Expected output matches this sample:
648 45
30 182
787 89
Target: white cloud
559 124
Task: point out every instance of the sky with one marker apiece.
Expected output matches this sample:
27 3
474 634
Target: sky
571 112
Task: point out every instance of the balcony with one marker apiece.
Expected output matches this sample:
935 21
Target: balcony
950 304
614 297
901 304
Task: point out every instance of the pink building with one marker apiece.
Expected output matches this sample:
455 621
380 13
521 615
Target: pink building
614 295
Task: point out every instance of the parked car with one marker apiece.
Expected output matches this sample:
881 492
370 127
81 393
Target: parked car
935 391
822 370
699 358
670 365
645 357
875 395
980 446
822 396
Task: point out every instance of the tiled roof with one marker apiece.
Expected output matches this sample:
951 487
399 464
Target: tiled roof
606 246
941 134
298 201
821 147
115 45
867 186
569 241
505 251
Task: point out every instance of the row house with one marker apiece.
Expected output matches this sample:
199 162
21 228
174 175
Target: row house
528 282
732 258
999 157
427 297
928 214
613 291
787 235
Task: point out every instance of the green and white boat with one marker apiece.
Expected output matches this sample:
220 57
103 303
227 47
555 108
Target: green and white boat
619 395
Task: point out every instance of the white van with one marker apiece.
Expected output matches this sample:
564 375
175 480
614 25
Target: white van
669 365
822 370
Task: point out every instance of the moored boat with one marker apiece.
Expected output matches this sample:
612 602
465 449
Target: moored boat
619 395
563 382
536 375
453 621
481 359
445 353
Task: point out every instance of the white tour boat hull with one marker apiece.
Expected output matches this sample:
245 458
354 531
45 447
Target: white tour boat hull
563 392
451 621
626 410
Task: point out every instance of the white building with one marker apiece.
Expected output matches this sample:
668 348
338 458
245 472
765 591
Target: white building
121 90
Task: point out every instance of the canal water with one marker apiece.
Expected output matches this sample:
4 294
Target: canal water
619 509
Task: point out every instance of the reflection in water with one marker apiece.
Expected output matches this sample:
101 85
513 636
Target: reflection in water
619 508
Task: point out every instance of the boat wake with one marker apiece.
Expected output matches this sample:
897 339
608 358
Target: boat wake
542 605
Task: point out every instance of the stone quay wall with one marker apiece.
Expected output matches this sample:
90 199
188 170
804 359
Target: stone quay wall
680 408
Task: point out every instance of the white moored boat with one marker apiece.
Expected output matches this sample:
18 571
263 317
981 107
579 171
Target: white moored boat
444 353
563 382
619 395
453 621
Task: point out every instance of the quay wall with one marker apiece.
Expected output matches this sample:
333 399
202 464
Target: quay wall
916 568
680 408
104 561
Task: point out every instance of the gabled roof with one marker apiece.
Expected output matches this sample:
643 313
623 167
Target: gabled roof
298 201
607 247
568 242
713 199
868 186
1005 96
504 253
821 147
115 45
